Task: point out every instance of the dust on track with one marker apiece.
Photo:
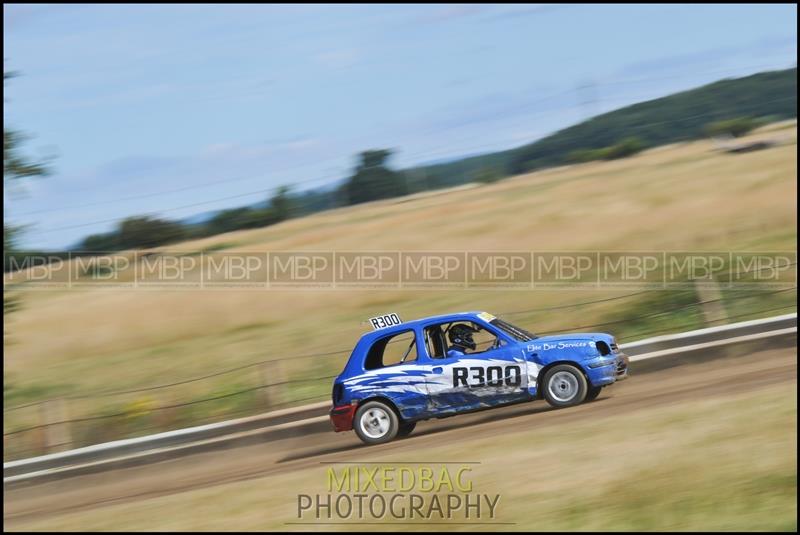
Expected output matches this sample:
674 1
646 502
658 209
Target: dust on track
716 378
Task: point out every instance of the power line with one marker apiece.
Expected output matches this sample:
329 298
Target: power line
686 75
164 192
251 177
262 191
45 231
427 153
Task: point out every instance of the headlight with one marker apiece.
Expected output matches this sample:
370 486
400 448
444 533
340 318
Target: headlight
602 361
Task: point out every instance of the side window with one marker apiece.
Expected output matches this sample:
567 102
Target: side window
396 349
439 339
484 339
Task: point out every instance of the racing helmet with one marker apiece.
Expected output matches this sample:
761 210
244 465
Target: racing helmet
460 335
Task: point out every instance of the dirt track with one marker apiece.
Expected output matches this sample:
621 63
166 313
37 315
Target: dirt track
641 393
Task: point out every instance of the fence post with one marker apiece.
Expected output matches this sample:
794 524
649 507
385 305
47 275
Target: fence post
715 310
164 419
271 373
56 436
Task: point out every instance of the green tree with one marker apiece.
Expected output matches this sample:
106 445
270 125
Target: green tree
145 231
627 147
240 218
282 204
373 180
734 127
487 175
16 166
135 233
100 242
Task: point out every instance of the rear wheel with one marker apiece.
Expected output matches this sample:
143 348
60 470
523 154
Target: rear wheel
593 392
406 429
565 386
376 423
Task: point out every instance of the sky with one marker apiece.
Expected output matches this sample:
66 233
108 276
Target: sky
178 110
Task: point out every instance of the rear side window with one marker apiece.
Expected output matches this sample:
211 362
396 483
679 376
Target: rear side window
435 342
399 348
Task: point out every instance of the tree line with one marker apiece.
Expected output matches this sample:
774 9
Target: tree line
728 107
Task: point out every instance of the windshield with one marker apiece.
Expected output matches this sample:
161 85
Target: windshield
518 333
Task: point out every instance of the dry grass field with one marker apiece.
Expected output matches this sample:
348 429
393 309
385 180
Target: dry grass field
676 198
727 461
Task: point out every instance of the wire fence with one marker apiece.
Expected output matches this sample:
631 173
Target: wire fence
639 335
250 365
173 406
131 422
338 352
658 313
73 420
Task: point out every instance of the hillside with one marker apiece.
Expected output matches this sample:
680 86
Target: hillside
678 117
767 96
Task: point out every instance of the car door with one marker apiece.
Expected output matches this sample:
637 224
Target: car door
492 376
393 370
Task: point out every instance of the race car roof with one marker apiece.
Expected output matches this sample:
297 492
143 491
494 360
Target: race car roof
443 318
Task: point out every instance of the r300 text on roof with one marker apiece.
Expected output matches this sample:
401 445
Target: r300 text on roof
384 321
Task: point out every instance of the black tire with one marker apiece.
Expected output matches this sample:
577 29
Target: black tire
564 386
375 423
593 392
406 429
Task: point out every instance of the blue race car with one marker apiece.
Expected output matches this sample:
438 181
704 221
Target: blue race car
445 365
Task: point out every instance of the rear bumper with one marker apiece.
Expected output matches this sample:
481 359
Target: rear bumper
342 417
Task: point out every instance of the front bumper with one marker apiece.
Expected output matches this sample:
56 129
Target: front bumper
342 417
607 370
622 366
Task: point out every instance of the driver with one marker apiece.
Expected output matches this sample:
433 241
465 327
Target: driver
460 336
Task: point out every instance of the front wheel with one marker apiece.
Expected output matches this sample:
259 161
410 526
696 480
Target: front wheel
376 423
564 386
593 392
406 429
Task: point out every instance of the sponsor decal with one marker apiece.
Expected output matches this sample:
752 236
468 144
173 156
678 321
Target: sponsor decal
545 346
485 316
